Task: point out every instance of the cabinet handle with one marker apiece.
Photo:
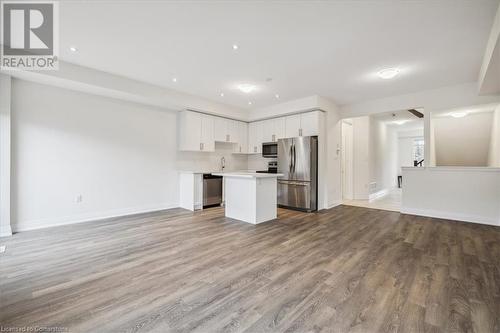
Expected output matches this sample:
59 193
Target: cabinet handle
254 149
201 146
300 131
274 137
227 137
240 149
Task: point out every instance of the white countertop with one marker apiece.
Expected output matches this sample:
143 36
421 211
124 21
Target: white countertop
247 174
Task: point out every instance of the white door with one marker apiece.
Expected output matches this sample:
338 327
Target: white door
347 165
309 123
292 124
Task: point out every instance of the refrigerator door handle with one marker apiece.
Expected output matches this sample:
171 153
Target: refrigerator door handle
290 164
294 158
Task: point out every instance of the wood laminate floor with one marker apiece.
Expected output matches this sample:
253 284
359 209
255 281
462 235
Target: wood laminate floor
347 269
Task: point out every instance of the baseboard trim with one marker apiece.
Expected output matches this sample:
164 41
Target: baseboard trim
334 204
55 222
378 194
451 216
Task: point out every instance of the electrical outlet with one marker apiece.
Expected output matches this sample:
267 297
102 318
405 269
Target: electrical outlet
79 198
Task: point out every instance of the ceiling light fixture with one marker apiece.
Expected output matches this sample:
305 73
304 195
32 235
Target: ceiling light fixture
277 96
400 122
388 73
459 114
249 103
221 94
174 79
246 88
73 49
235 47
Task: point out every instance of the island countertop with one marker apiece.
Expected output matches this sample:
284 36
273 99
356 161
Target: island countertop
243 174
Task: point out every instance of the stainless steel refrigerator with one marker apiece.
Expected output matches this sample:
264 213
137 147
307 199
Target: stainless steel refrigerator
298 161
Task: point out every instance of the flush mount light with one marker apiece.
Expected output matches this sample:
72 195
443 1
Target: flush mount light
246 88
235 47
174 79
459 114
73 49
388 73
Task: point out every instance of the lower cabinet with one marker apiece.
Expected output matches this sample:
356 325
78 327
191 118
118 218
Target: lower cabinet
191 190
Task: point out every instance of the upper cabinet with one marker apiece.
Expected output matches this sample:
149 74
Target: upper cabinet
196 131
255 137
199 131
273 129
226 130
241 137
304 124
309 123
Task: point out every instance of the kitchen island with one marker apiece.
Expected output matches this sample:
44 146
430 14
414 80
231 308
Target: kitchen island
249 196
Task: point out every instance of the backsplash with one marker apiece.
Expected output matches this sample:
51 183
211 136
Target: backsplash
212 161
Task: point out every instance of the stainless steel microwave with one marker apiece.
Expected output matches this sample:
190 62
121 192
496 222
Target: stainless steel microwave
270 149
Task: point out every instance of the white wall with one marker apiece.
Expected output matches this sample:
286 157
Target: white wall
5 154
383 156
462 141
361 157
456 193
494 151
333 161
121 157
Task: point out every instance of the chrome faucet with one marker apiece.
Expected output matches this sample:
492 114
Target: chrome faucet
222 163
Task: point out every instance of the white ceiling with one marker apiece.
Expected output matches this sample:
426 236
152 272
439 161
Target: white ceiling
333 49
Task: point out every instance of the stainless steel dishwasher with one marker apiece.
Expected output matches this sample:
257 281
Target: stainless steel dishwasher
212 190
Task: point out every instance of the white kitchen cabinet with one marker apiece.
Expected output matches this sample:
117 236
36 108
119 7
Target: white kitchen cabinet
241 138
309 123
220 129
273 129
268 130
191 190
255 137
304 124
279 128
292 124
225 130
195 132
207 133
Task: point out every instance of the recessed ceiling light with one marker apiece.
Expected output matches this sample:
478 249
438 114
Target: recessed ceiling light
388 73
249 103
460 114
235 47
277 96
246 88
73 49
221 94
400 122
174 79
